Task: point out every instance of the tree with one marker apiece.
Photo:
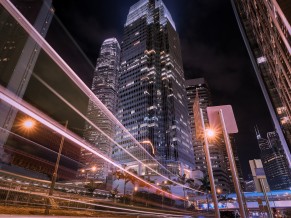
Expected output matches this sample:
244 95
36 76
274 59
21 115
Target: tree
91 186
205 186
114 192
165 187
127 178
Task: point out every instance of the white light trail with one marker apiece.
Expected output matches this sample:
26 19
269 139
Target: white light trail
41 146
107 136
69 72
21 105
92 204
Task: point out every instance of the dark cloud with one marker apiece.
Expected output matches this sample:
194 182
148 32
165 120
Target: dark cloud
212 47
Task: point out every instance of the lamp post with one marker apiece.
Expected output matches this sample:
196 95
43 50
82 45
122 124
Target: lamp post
92 169
208 133
55 174
29 124
223 116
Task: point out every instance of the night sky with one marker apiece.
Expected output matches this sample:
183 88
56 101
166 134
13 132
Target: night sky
212 47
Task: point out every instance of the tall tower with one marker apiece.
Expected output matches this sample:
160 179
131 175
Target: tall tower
198 94
198 90
18 55
152 95
274 161
266 30
105 88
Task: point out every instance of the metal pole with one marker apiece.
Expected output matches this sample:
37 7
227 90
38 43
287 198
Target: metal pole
209 168
234 174
266 198
55 174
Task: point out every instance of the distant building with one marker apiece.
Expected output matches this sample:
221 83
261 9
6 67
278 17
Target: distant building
259 175
198 94
198 89
237 163
152 95
266 30
250 186
105 88
274 161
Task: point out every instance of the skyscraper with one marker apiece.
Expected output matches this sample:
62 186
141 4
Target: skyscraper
105 88
274 161
259 177
152 95
198 92
198 89
265 27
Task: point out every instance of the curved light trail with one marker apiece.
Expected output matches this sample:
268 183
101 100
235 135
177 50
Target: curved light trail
21 105
109 138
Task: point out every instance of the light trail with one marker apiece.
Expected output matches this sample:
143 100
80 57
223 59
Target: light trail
41 146
108 137
69 72
21 105
89 203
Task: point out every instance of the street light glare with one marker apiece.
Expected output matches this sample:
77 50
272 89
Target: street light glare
210 133
28 124
94 168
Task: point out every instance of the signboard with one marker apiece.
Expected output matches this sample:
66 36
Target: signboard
228 116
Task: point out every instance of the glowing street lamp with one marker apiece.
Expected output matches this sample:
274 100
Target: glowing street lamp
94 168
209 133
28 124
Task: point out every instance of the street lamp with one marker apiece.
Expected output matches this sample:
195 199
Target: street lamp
209 133
28 124
92 169
55 174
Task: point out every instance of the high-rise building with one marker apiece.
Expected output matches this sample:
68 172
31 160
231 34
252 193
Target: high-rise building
18 55
105 88
152 95
265 27
198 94
197 89
274 161
259 176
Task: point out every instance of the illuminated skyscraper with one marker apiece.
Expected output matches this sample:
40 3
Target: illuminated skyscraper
152 95
266 30
105 88
198 93
274 161
197 89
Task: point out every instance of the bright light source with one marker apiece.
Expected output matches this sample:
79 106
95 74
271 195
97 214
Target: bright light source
28 124
210 133
94 168
135 188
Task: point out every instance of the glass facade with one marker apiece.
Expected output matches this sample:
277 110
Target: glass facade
152 95
105 88
274 162
265 27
